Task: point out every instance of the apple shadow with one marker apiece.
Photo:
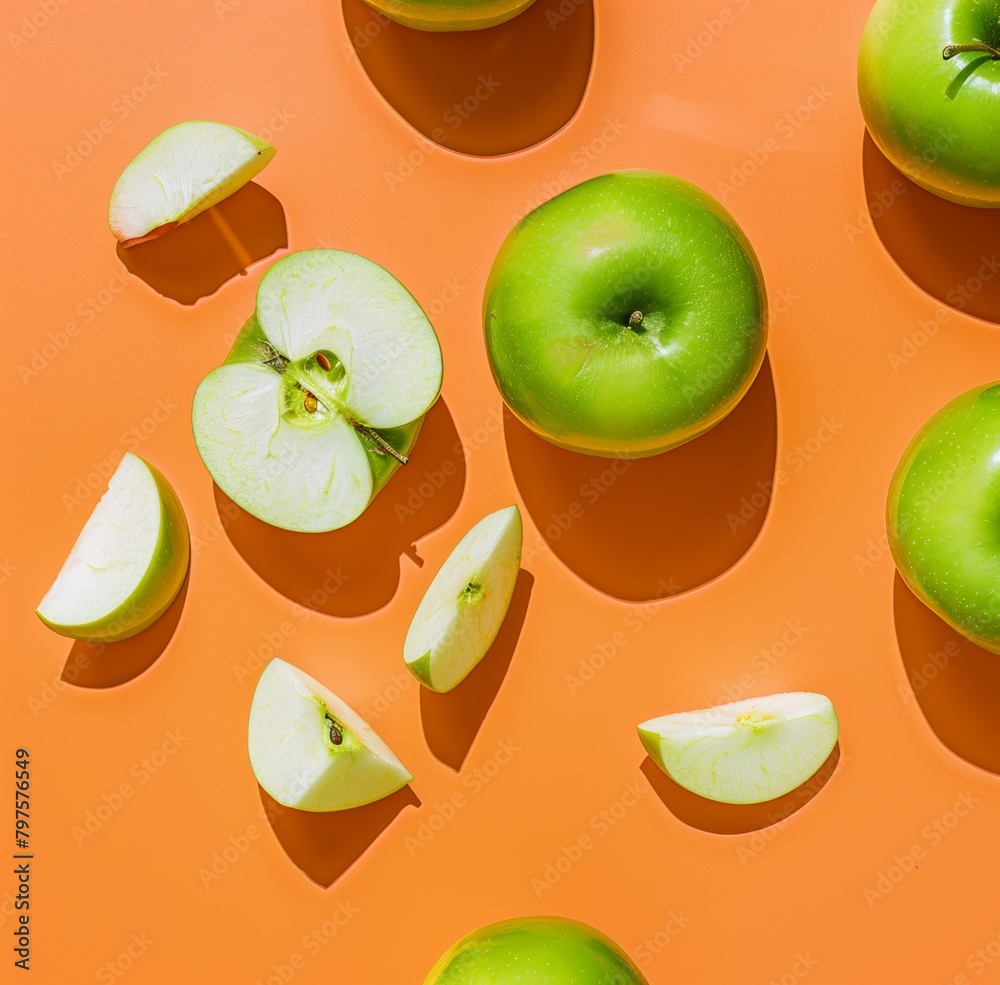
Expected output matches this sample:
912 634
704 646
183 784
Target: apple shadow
451 721
355 570
946 249
735 819
955 682
644 529
196 258
485 92
325 844
101 665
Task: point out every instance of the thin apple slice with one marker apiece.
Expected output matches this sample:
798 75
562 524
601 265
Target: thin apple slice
310 750
127 565
465 605
748 751
181 172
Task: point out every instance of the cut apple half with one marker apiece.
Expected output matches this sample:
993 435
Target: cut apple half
746 752
127 565
323 394
310 750
465 605
181 172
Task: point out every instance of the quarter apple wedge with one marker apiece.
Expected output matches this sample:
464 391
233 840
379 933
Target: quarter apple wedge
181 172
465 605
748 751
323 393
127 565
309 750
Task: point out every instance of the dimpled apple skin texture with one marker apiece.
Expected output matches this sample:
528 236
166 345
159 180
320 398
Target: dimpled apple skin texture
535 951
310 750
323 393
928 81
625 316
942 515
746 752
450 15
179 174
127 565
464 606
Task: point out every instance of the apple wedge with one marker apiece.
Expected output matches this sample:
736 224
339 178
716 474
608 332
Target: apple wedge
127 565
322 395
748 751
310 750
181 172
464 607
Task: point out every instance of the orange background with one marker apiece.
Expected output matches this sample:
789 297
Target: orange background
876 324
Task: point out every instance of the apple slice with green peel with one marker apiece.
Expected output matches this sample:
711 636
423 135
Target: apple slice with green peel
311 751
464 607
748 751
127 565
323 393
181 172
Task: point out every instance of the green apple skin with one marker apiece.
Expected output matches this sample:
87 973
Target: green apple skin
943 512
157 590
560 296
535 951
450 15
936 120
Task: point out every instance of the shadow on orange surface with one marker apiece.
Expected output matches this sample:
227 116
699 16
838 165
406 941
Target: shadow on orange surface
955 682
325 844
355 570
99 665
946 249
196 258
643 529
735 819
451 721
486 92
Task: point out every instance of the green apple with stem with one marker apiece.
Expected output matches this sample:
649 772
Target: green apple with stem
625 316
928 75
180 173
310 750
745 752
323 393
942 515
128 563
464 606
450 15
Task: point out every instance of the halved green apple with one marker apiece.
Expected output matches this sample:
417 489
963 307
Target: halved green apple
311 751
323 393
464 606
748 751
127 565
181 172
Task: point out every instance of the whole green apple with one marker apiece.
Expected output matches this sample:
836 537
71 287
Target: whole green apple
450 15
944 502
535 951
928 77
625 316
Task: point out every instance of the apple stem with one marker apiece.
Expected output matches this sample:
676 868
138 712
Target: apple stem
953 49
635 319
383 446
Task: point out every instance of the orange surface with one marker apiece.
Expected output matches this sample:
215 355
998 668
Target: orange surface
532 770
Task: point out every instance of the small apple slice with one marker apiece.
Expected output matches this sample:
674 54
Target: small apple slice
748 751
127 565
465 605
311 751
181 172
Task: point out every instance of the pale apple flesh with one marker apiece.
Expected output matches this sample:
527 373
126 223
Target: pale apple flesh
465 605
311 751
323 394
128 563
746 752
179 174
